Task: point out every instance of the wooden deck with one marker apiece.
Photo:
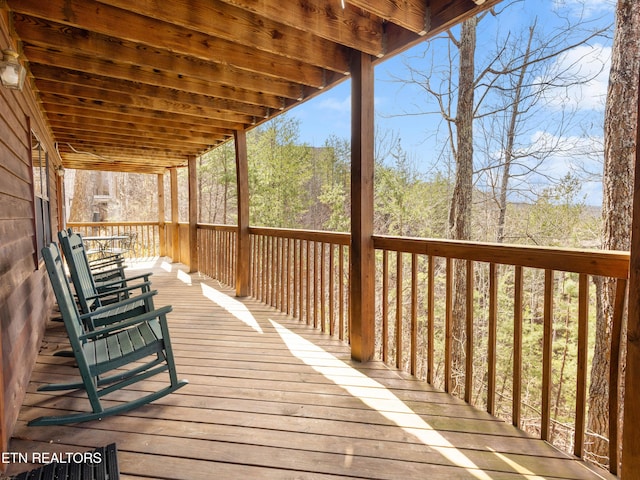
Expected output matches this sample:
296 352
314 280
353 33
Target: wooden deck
272 398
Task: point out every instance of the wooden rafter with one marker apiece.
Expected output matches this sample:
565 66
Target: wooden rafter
143 85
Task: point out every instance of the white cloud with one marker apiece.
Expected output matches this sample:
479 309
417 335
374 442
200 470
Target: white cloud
585 8
585 72
576 155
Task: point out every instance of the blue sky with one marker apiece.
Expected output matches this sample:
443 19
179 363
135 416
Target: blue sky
329 113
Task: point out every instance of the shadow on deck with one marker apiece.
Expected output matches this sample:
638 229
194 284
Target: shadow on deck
272 398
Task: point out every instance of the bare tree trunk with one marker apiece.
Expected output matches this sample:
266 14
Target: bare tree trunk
620 128
460 210
511 136
81 209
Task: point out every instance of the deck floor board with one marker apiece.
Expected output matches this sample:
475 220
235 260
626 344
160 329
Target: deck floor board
270 397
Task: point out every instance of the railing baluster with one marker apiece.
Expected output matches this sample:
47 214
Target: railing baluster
385 306
516 406
274 271
308 285
279 304
332 285
341 295
493 328
277 291
414 313
303 250
448 325
581 373
289 261
315 284
399 343
468 376
265 269
296 276
430 317
546 355
323 279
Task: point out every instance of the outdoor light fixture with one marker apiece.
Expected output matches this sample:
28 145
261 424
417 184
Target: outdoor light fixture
479 2
12 73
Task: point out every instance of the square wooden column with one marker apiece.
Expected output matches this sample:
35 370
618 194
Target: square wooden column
193 214
161 216
243 250
175 217
362 286
631 425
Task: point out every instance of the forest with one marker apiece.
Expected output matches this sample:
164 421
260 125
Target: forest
492 177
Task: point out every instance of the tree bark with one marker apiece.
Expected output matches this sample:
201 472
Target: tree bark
511 138
619 159
81 208
460 209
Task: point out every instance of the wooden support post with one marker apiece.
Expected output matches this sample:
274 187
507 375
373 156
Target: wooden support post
362 287
243 250
175 218
631 429
62 224
161 216
193 215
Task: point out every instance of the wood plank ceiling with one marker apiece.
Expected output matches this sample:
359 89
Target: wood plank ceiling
140 85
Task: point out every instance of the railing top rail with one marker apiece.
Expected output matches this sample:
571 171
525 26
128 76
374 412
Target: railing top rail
592 262
108 224
335 238
218 227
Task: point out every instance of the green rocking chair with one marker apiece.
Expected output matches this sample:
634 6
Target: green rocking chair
112 357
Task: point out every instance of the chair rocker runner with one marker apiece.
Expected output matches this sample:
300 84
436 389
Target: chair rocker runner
112 357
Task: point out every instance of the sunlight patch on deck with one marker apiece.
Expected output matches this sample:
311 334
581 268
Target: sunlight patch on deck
231 305
391 406
184 277
166 266
142 263
525 472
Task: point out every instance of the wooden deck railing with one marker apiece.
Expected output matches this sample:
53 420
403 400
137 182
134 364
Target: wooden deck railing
511 284
543 298
217 252
531 292
304 274
145 235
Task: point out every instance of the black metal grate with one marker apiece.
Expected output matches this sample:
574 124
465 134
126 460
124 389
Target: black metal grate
106 469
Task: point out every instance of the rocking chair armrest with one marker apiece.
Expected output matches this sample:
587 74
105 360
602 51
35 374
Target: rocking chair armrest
117 305
144 276
116 291
160 314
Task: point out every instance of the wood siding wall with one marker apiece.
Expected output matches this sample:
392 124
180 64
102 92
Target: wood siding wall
25 295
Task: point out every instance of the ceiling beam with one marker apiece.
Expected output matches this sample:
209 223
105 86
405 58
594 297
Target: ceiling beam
249 90
102 124
42 31
409 14
327 19
143 117
140 109
97 129
240 26
154 24
157 99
